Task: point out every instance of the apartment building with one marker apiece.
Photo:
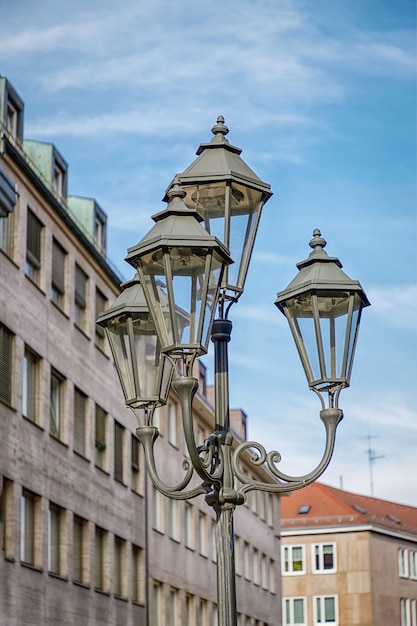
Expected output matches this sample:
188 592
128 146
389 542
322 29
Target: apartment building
85 538
347 559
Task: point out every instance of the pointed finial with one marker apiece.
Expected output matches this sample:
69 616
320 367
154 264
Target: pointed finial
317 241
220 128
176 190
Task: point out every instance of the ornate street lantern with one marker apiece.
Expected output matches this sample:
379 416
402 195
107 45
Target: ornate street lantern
145 373
323 307
229 196
179 254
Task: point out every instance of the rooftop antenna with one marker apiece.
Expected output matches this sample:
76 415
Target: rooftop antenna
372 457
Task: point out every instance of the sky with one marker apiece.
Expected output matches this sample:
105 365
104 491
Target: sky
321 98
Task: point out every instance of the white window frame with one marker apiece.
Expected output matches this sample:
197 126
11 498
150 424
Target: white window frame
322 600
291 602
321 569
413 564
172 423
408 612
291 571
403 564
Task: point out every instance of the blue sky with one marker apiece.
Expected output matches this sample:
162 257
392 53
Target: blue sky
321 97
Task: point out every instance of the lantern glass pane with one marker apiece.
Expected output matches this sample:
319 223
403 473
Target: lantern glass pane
231 213
120 346
324 325
182 308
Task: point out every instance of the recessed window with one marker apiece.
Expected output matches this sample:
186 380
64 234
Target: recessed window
101 303
100 437
80 561
30 396
56 405
138 574
80 422
100 560
304 509
56 527
119 568
394 519
80 298
135 463
33 247
5 364
58 274
403 569
29 523
119 433
358 508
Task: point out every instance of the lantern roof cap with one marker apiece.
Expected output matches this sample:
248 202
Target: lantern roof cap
218 160
178 225
130 300
319 272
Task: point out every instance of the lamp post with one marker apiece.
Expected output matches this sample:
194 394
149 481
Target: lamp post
185 273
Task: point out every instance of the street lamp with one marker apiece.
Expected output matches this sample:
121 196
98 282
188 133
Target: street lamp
186 274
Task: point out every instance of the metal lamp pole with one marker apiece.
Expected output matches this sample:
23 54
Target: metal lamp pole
164 318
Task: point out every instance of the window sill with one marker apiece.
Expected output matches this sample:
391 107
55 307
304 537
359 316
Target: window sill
35 568
102 592
32 282
78 583
82 331
122 598
58 440
27 419
61 310
81 456
58 576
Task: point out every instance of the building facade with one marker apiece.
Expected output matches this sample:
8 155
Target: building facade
347 560
85 537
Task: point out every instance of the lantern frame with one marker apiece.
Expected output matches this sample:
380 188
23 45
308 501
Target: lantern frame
324 297
145 373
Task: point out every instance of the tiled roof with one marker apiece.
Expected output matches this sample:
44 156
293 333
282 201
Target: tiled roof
319 505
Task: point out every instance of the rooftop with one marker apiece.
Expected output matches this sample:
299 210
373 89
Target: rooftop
319 505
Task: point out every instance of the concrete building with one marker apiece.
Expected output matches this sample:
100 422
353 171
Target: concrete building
85 538
347 559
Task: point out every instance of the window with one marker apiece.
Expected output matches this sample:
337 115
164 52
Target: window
172 423
294 612
246 561
100 437
80 406
80 550
189 609
101 304
11 119
100 232
189 525
135 463
324 557
403 562
157 602
58 275
56 402
157 510
30 385
264 572
408 609
202 613
5 365
100 546
238 555
413 564
7 205
29 521
80 298
58 180
174 524
119 567
256 567
33 247
174 617
272 583
202 533
138 578
325 610
7 512
293 560
56 525
118 451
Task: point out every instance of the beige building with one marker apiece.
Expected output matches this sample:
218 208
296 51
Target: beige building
85 538
347 559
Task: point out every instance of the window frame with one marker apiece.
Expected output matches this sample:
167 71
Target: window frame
318 560
288 606
30 385
320 611
118 456
80 422
56 386
100 437
58 274
80 298
291 571
6 364
34 246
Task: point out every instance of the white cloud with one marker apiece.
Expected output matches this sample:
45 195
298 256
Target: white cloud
396 305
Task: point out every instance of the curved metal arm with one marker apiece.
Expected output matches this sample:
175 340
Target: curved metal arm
147 436
186 387
330 418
